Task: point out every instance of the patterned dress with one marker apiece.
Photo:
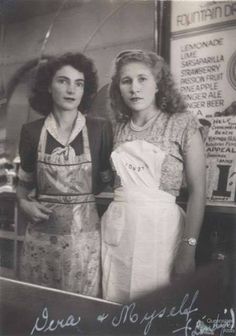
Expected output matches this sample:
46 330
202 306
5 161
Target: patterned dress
142 227
64 251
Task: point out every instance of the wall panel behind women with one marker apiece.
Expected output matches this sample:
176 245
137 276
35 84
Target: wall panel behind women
99 28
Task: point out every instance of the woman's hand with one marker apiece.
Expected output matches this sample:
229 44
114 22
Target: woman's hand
35 211
185 260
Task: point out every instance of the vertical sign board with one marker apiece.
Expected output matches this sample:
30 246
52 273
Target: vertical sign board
203 62
221 158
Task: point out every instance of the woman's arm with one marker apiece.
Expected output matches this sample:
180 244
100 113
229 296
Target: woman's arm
34 211
195 176
30 207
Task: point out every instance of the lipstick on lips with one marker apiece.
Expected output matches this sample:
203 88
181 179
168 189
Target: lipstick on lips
70 99
135 99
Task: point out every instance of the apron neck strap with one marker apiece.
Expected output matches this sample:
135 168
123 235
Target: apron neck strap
86 141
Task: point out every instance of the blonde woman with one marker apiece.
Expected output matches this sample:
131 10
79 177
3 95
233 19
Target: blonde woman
146 238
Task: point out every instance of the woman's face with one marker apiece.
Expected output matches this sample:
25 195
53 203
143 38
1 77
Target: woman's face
67 88
138 87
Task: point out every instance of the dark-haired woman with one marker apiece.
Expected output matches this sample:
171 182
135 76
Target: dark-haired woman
145 238
64 162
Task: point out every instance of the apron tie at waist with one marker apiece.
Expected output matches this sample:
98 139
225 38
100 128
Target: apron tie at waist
146 195
67 199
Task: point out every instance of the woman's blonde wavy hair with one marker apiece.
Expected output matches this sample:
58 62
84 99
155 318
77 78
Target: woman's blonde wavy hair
168 99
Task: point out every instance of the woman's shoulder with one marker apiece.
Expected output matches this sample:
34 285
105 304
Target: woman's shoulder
120 126
184 116
29 139
96 122
184 119
34 126
99 128
31 131
183 127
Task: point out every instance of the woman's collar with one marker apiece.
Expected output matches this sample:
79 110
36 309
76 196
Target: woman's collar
52 128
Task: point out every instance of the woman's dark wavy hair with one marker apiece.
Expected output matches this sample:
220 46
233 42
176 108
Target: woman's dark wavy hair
40 98
168 99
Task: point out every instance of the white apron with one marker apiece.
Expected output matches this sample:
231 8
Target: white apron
141 228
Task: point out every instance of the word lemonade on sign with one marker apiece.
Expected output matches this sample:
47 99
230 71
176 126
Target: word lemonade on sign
221 159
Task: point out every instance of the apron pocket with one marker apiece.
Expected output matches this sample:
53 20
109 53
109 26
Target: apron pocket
113 222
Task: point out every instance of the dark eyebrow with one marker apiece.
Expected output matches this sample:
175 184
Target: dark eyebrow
61 76
125 77
65 77
128 77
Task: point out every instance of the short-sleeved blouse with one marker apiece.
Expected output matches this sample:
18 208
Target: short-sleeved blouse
172 134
